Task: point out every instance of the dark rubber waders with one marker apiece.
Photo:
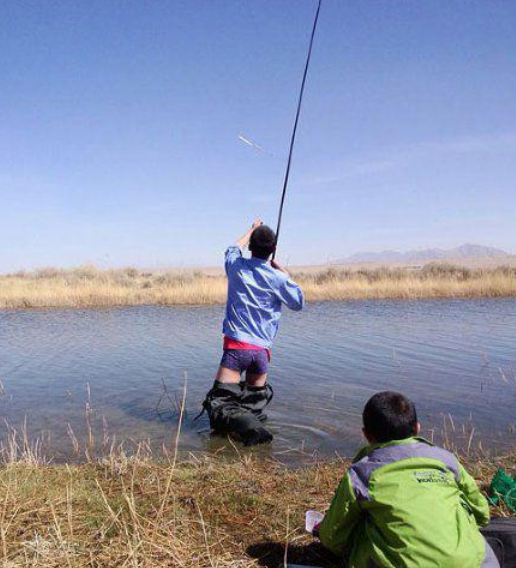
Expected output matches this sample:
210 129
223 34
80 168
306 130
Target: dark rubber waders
256 399
228 414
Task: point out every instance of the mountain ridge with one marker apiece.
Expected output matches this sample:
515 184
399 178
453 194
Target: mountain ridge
465 251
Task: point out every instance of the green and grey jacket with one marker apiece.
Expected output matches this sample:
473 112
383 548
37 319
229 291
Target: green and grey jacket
408 504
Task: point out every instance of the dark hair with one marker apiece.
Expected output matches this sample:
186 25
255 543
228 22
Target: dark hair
389 416
263 242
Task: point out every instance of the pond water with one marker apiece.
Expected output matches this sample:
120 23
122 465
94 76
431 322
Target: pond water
455 358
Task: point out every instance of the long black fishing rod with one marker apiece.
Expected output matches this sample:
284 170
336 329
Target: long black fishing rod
293 137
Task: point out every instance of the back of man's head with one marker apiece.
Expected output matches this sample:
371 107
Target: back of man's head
263 242
389 416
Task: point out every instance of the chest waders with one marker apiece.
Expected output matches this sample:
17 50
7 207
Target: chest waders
235 408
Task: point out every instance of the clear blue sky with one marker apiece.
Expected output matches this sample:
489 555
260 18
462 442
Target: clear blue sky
119 124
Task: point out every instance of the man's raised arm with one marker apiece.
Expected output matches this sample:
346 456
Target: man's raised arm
243 241
234 252
289 292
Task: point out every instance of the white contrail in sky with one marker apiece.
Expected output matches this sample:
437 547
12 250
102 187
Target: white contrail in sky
253 145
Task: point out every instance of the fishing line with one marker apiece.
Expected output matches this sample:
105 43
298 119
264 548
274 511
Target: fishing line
293 137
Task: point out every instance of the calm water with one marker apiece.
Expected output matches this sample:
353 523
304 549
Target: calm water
454 358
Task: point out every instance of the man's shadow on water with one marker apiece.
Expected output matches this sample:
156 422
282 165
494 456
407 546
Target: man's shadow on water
271 555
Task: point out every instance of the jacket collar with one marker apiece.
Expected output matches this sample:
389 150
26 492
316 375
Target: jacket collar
370 448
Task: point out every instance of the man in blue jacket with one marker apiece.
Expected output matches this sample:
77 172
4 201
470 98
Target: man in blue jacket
257 290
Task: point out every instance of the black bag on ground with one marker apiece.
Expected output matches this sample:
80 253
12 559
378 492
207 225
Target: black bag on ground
501 535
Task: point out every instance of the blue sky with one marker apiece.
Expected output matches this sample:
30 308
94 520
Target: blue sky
119 124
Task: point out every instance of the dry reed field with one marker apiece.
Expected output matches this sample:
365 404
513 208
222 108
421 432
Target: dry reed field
135 511
88 286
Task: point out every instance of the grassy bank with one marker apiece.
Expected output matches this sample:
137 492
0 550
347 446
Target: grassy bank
137 512
89 287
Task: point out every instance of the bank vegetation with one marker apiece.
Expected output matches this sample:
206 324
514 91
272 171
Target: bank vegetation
132 510
88 287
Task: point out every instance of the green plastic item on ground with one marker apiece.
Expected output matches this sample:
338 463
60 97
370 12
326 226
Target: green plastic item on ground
503 488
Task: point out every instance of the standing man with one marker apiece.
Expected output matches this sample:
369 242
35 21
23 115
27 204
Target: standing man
257 290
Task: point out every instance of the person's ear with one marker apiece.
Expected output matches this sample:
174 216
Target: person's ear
368 436
417 429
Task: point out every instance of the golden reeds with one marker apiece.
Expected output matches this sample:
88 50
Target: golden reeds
157 513
90 287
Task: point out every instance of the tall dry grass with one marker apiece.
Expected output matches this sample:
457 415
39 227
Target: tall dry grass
150 514
433 281
132 510
90 287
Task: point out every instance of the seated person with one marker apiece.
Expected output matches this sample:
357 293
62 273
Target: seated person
405 503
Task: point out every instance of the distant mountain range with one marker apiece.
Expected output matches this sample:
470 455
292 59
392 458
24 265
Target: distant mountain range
466 251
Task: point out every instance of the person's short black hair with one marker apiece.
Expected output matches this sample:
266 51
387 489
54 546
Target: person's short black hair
389 416
263 242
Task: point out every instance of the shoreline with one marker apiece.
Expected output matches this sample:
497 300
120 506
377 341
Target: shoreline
134 510
88 287
52 308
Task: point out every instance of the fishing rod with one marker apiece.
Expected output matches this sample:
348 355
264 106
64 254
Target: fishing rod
293 137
